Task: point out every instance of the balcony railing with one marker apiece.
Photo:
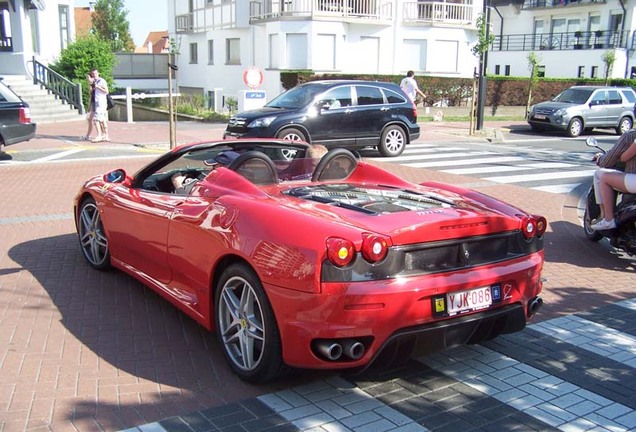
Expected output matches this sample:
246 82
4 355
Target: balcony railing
438 12
6 44
360 10
561 41
535 4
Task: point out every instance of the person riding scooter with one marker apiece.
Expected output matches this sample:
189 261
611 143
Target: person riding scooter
607 179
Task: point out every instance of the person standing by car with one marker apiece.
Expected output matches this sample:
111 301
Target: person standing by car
91 107
607 179
409 85
100 90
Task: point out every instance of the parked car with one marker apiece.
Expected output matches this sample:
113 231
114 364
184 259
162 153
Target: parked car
329 263
335 114
15 117
583 108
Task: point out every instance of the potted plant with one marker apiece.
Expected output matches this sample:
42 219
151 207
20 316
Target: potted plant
597 36
577 42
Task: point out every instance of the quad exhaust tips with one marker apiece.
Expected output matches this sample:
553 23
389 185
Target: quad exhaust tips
340 349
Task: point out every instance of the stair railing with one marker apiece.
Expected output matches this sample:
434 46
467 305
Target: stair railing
63 88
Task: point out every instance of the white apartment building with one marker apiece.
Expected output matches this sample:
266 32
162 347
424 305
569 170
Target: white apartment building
33 28
218 40
569 36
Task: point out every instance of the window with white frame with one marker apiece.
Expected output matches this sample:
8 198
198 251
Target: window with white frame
414 54
325 58
369 54
447 58
274 51
233 51
296 50
210 51
65 33
194 53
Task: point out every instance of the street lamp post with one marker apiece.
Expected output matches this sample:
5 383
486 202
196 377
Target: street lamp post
171 104
483 67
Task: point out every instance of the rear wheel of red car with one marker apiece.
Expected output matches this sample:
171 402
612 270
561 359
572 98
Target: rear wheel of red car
625 125
92 237
246 326
292 134
575 127
393 141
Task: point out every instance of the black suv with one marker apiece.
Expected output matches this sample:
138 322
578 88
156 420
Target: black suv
15 118
335 114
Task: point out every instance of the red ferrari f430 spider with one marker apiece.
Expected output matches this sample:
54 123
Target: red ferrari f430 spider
329 263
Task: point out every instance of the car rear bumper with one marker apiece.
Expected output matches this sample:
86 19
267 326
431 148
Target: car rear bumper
14 134
389 316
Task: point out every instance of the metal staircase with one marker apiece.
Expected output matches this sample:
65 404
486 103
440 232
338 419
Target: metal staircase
45 106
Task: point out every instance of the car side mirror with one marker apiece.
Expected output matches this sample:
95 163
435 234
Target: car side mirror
115 176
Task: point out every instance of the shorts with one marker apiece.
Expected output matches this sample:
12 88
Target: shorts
100 116
630 183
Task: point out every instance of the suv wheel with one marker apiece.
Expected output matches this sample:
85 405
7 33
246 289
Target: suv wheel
292 134
393 141
575 127
626 124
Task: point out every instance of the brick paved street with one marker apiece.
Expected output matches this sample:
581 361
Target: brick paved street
85 350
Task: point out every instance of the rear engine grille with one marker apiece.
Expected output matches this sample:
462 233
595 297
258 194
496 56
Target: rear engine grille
435 257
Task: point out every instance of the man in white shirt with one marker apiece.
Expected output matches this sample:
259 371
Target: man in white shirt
409 85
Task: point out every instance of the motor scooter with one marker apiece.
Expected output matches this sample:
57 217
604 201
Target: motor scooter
624 235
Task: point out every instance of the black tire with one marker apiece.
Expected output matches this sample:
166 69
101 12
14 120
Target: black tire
393 141
292 134
589 232
92 238
536 128
246 326
575 127
624 125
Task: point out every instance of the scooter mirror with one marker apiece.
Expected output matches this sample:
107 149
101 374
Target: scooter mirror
591 142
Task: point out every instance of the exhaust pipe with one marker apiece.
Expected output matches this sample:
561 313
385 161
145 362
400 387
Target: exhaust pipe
330 350
353 349
534 305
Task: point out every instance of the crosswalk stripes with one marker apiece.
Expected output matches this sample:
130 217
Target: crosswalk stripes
536 170
572 373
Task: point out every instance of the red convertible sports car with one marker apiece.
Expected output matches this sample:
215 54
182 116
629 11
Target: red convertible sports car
329 263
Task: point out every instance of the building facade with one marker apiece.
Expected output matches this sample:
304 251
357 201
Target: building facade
569 37
217 40
33 28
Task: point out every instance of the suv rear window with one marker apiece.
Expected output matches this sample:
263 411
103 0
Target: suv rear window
393 97
629 95
369 95
7 95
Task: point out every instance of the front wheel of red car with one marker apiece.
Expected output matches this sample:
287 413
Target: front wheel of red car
246 326
92 237
393 141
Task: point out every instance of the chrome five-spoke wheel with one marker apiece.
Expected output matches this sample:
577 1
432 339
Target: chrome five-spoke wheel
246 326
92 239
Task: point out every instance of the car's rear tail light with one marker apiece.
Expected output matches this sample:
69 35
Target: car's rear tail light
25 115
374 247
414 108
542 225
340 252
528 227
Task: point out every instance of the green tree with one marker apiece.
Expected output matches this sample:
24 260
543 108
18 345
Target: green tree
533 66
608 58
110 23
84 54
484 37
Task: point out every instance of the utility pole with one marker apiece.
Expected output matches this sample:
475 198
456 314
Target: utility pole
483 67
171 104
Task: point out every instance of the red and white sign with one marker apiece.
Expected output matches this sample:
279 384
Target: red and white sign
253 77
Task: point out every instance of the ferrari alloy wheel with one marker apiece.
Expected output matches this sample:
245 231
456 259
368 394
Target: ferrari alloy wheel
393 141
246 326
92 238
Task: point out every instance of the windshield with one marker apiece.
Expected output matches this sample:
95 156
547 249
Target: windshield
575 96
297 97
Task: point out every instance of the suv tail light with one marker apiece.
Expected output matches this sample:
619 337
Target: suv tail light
25 115
414 109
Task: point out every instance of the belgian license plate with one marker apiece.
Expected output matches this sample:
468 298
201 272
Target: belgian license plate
465 301
540 116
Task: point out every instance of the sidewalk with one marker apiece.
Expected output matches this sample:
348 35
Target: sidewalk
86 350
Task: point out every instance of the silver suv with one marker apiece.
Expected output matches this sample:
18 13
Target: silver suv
583 108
